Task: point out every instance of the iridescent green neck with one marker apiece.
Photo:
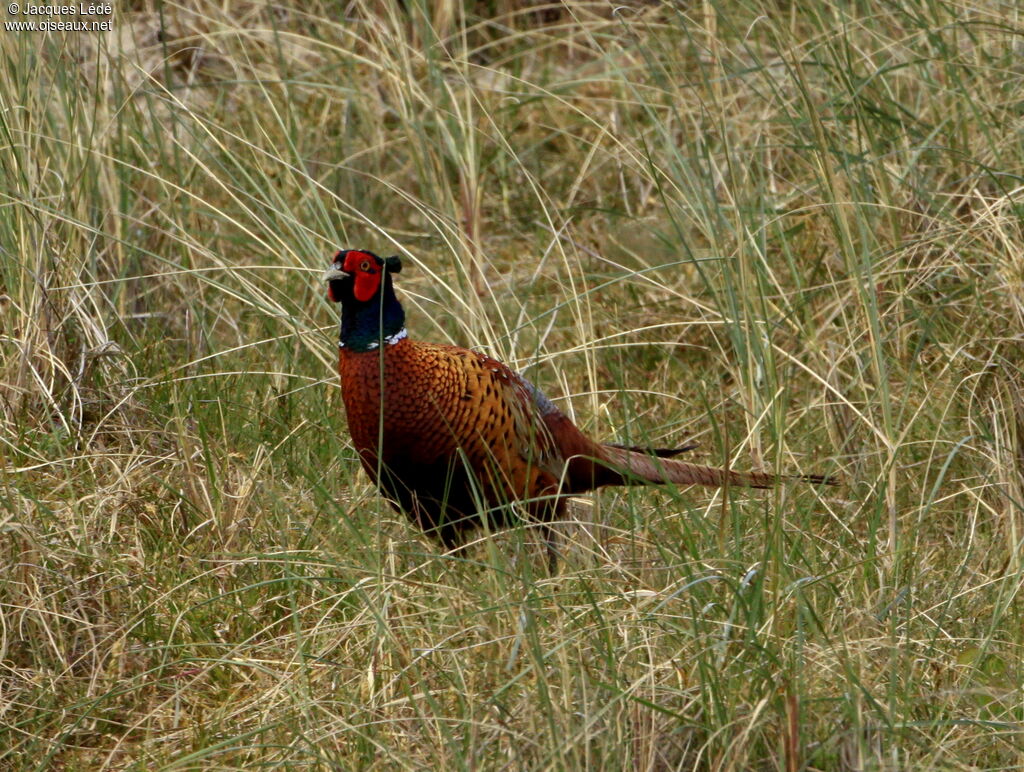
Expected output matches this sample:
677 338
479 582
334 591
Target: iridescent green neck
379 321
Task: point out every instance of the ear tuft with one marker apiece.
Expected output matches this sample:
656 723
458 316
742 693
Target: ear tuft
393 264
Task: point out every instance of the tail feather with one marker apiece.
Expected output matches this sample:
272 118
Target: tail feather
629 467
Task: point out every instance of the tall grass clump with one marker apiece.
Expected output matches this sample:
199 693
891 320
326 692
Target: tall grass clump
789 231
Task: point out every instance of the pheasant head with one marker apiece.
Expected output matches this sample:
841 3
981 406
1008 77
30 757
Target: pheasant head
370 312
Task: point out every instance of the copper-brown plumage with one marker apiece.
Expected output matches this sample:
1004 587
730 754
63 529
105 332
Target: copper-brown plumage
450 435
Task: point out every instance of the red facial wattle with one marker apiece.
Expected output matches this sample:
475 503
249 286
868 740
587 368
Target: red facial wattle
366 272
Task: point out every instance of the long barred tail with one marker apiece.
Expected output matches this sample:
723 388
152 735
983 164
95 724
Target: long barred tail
630 467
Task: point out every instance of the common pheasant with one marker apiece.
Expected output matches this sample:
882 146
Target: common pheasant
451 436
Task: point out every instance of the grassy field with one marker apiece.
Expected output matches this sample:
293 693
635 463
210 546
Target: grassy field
791 232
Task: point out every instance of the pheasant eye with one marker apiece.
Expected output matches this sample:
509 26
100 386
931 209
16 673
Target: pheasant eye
364 266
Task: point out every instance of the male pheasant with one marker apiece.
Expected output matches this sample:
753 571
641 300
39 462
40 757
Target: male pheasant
451 436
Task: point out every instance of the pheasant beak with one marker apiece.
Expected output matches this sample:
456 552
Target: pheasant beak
334 273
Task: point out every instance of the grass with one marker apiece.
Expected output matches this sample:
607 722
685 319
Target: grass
790 231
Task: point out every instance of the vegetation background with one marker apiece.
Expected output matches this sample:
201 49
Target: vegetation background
791 231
